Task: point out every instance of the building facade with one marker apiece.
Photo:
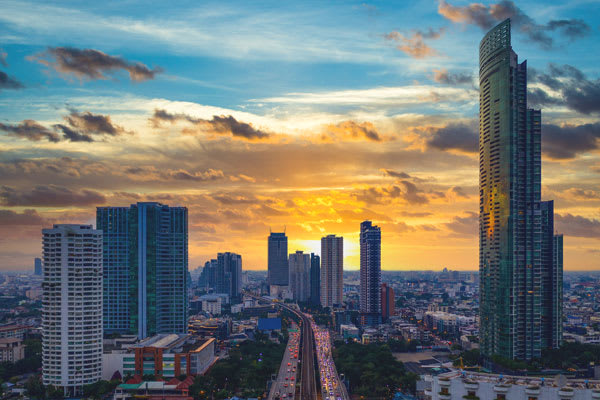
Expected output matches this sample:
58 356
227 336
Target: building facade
208 276
332 270
229 275
299 265
37 266
510 217
370 274
278 270
315 279
388 302
11 349
145 258
72 307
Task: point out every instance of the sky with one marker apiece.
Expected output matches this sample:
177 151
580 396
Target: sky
304 116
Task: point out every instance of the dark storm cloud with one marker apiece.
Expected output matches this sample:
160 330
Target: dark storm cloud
576 225
27 217
72 135
91 64
222 125
8 82
455 137
487 16
447 78
577 91
49 196
31 130
93 123
567 141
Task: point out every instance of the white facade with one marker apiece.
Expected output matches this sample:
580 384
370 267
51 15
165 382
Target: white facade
212 305
72 307
299 266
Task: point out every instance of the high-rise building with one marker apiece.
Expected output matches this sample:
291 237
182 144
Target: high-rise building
72 307
388 302
278 270
208 276
557 293
510 219
315 279
37 266
145 268
229 275
299 265
332 270
370 274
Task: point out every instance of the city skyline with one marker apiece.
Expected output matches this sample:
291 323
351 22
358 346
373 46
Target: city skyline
306 125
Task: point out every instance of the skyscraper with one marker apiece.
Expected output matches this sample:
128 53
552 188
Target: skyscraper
388 301
72 307
208 276
315 279
510 231
370 274
145 268
332 270
229 275
278 270
299 265
557 293
37 266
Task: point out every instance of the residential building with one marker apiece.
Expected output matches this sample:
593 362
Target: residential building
229 275
278 271
11 349
299 282
145 255
332 270
16 331
388 301
208 276
72 307
512 271
370 274
37 266
315 279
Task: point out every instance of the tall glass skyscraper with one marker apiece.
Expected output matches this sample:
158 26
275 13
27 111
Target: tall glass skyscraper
145 256
229 275
370 274
512 296
278 269
315 279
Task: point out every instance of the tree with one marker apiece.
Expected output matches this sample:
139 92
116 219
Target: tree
35 388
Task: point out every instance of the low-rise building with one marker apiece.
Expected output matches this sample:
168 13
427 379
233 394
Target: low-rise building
174 389
18 331
11 349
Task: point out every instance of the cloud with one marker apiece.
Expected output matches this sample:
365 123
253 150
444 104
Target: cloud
454 136
414 45
8 82
91 64
351 130
405 190
27 217
574 89
49 196
581 194
221 125
31 130
443 76
208 175
3 58
578 226
396 174
486 17
464 226
567 141
72 135
93 123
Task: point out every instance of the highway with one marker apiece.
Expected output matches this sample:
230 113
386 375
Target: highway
285 385
332 387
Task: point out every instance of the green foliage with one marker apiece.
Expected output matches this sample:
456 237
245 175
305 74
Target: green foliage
35 387
470 358
372 370
31 363
571 355
402 346
54 393
97 390
241 373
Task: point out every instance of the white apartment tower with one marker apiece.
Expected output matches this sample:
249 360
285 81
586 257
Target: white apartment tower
72 307
332 270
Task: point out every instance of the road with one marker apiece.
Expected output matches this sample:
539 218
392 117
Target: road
332 387
285 385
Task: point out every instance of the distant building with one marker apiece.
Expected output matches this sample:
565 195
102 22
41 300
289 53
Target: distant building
299 266
174 389
11 349
229 275
208 276
212 304
37 266
388 301
72 307
278 270
332 270
14 331
145 268
315 279
349 331
370 274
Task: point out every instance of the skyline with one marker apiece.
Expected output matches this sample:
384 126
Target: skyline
258 117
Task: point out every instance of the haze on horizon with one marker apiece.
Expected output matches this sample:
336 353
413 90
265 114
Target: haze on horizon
306 116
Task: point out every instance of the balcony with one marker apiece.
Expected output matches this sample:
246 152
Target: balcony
566 392
471 385
501 388
532 390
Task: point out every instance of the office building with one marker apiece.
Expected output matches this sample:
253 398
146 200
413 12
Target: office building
37 266
278 271
72 307
332 270
370 274
315 279
229 275
145 258
299 265
512 272
208 276
388 302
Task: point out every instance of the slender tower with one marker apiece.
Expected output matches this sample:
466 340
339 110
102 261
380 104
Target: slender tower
332 270
370 274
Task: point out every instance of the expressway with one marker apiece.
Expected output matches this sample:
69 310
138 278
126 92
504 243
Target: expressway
332 387
285 385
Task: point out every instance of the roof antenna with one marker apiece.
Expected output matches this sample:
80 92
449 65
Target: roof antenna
284 227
